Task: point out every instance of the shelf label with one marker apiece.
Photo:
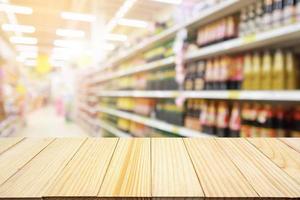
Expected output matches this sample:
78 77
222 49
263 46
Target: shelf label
249 38
234 95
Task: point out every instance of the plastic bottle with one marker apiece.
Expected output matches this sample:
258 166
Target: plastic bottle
248 73
222 120
235 121
291 71
278 72
289 12
266 74
256 71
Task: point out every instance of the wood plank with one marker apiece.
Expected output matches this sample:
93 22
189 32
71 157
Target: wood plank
281 154
84 174
218 175
292 142
266 178
173 174
6 143
34 179
129 173
15 158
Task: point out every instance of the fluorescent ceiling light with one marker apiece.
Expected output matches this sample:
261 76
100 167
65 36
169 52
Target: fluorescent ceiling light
28 54
70 33
78 16
133 23
65 43
15 9
116 37
30 63
177 2
23 40
18 28
26 48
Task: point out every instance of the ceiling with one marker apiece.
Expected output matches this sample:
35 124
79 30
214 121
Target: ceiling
46 17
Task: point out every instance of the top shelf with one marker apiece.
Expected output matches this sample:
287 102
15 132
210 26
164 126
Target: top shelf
211 14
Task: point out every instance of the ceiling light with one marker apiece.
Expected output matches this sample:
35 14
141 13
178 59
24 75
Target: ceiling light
30 63
18 28
109 47
64 43
23 40
116 37
133 23
15 9
26 48
28 54
177 2
70 33
78 16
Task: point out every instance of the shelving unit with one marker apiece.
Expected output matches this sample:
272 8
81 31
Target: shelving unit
106 72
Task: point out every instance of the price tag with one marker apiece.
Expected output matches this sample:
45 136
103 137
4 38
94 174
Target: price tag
234 95
249 38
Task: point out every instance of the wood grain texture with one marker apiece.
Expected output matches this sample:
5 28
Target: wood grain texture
84 174
34 179
129 173
173 174
6 143
281 154
15 158
266 178
218 175
292 142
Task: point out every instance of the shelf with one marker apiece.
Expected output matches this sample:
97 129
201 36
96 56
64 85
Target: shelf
287 33
8 125
276 36
154 123
293 95
220 10
112 129
146 67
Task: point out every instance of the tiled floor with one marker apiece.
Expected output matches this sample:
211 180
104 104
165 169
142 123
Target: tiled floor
45 123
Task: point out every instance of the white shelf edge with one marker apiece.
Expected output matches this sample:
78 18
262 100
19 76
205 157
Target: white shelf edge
154 123
285 33
113 130
293 95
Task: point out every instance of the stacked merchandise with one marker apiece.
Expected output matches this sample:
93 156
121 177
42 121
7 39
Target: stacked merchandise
267 70
246 119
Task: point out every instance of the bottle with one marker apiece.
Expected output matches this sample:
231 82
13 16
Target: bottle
243 23
189 79
289 12
296 122
235 121
266 74
259 11
279 121
248 73
204 117
255 125
256 71
251 19
246 120
224 73
267 17
216 78
209 75
222 119
291 71
199 79
211 118
277 15
231 27
278 72
266 123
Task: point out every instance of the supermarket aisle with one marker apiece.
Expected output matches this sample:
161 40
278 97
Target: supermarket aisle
45 123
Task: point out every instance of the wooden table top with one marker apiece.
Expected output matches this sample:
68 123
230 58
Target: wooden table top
206 168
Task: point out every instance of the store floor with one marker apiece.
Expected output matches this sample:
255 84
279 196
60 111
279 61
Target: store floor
45 123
